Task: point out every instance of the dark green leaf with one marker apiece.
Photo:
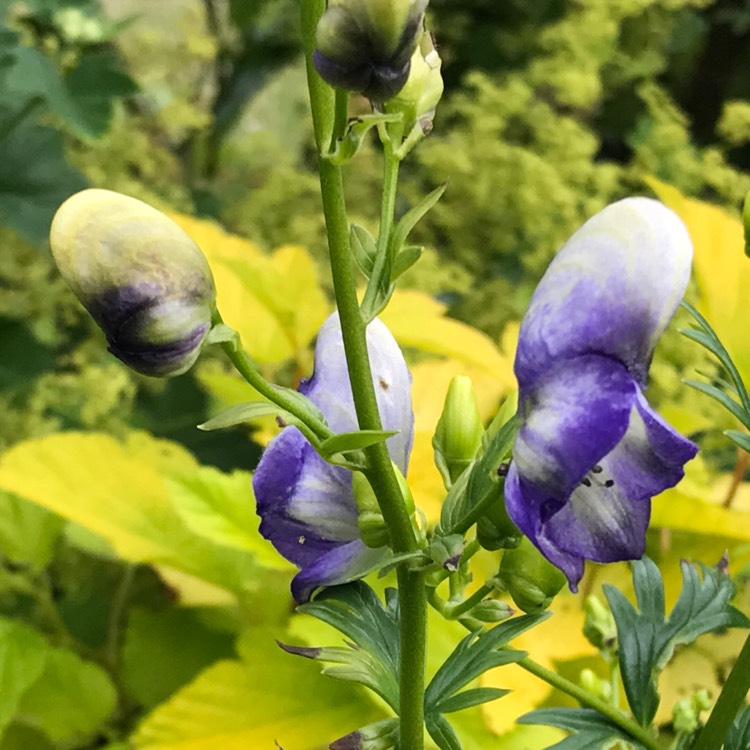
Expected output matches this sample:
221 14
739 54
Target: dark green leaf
355 610
34 180
482 482
442 732
473 656
471 698
647 638
738 737
592 730
352 441
723 398
739 438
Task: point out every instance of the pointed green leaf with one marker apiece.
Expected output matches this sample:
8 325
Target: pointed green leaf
346 148
241 413
409 220
352 441
364 249
442 732
471 698
739 438
405 260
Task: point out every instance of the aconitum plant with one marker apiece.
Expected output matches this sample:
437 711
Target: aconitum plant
564 473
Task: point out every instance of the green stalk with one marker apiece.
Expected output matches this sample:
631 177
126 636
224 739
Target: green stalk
728 704
245 367
412 599
635 730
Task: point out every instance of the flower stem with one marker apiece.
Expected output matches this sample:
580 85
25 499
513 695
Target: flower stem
728 704
646 738
412 595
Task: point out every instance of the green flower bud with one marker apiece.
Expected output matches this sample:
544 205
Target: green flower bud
446 551
593 684
372 526
380 735
495 530
367 45
419 98
599 625
142 279
459 431
491 610
529 578
685 717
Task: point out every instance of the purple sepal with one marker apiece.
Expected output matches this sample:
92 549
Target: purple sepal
591 453
306 505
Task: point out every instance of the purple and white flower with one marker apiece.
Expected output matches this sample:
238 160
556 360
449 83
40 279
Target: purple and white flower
591 453
307 505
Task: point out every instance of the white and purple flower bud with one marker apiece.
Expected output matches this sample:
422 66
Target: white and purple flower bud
143 280
367 45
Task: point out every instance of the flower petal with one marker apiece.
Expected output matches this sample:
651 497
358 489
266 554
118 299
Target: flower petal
306 505
612 289
605 517
329 388
574 416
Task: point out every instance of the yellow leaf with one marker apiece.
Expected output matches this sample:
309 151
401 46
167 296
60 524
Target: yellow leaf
121 492
274 301
721 269
417 320
268 697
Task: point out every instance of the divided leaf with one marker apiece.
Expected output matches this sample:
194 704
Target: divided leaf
372 659
647 638
591 730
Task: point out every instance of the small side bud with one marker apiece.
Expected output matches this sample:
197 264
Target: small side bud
446 551
419 98
366 45
495 530
372 526
143 280
686 712
459 431
529 578
599 626
491 610
595 685
380 735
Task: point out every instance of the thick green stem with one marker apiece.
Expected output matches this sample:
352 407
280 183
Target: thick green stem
635 730
412 599
728 704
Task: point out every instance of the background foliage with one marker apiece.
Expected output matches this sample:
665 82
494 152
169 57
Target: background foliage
138 605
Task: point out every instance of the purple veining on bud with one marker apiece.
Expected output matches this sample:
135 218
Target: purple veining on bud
143 280
591 452
307 506
366 45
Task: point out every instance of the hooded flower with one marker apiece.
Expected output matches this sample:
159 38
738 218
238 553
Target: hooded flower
591 453
307 505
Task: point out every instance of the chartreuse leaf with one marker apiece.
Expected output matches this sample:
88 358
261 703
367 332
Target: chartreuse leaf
22 657
28 533
738 737
122 492
275 302
150 672
647 638
71 698
266 697
357 612
591 730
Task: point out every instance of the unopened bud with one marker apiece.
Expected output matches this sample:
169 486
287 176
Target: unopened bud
380 735
372 526
143 280
595 685
491 610
419 98
530 579
367 45
599 626
446 551
459 431
495 530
